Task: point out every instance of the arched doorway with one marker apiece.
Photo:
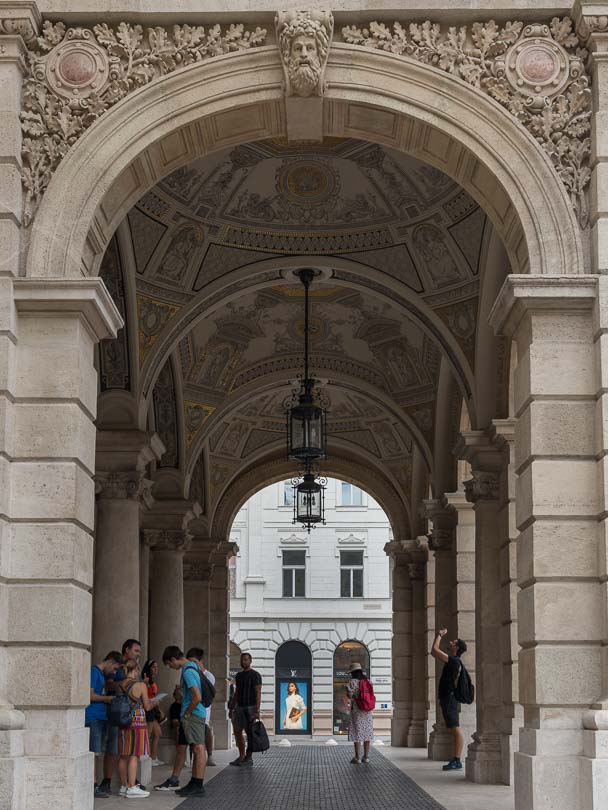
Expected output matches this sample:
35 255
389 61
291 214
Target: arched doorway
345 655
293 679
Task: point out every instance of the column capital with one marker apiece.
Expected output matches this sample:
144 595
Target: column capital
521 294
443 520
483 486
127 485
222 552
417 571
591 22
166 539
196 571
406 551
127 450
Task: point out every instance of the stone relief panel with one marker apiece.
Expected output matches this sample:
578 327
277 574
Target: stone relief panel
153 315
435 257
185 241
165 415
114 363
195 416
535 70
196 491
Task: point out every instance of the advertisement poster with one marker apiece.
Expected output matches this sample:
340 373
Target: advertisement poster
293 706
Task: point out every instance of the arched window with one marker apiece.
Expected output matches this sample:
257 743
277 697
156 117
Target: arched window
345 655
293 671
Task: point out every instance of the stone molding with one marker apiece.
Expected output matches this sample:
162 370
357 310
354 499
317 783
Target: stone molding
483 486
536 71
77 74
131 485
167 539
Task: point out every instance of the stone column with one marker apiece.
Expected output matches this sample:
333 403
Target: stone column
417 732
166 596
144 596
401 644
117 558
560 327
463 596
441 741
219 639
431 687
196 604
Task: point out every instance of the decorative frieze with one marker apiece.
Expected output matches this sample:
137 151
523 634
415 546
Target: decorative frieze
167 539
535 70
77 74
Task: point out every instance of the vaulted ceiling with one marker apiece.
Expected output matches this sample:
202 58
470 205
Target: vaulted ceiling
214 337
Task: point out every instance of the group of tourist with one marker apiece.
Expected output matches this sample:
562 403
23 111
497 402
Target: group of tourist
123 743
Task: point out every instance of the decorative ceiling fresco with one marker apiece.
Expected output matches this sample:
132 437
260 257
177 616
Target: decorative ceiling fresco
240 207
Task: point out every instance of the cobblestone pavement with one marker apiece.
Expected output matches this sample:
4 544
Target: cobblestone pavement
313 777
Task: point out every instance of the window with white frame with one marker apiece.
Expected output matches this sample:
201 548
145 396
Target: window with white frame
350 495
294 573
351 573
287 499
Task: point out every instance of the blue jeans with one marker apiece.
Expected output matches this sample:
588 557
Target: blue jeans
98 735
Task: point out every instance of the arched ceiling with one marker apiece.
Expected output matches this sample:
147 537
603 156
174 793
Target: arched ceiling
218 400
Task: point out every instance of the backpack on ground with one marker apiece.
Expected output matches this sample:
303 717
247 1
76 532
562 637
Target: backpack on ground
121 709
464 691
207 688
258 737
366 700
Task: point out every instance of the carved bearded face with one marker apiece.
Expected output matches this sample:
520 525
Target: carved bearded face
304 64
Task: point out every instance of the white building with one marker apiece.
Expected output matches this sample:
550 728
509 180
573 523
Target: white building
328 591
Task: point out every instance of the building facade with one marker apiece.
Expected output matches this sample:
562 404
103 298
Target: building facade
328 591
164 170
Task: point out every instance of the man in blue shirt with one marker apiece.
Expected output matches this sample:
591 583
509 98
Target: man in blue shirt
95 716
193 716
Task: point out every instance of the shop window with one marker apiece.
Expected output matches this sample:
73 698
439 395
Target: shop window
346 654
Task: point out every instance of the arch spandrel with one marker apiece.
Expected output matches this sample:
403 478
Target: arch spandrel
237 98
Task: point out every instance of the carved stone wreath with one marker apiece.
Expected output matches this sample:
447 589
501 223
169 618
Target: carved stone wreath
536 71
76 74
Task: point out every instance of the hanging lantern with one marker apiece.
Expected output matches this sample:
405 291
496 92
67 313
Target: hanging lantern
306 428
308 501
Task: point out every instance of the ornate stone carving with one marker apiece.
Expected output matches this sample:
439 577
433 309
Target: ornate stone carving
304 38
165 412
77 74
122 485
441 540
591 24
196 572
416 570
536 71
167 539
21 27
483 486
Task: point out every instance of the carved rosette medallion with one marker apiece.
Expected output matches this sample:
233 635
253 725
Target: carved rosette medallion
538 66
77 67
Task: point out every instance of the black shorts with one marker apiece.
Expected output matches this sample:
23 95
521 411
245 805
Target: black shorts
449 710
181 736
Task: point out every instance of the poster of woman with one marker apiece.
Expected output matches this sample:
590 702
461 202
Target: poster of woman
293 699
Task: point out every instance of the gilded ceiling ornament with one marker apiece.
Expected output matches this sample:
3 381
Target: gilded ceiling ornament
304 38
77 74
535 71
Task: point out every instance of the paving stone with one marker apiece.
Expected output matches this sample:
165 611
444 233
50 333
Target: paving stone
313 777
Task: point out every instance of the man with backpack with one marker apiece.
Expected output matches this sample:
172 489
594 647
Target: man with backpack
95 716
455 687
192 728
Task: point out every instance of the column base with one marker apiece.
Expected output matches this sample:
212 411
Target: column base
484 759
12 779
416 734
222 734
400 726
593 765
441 744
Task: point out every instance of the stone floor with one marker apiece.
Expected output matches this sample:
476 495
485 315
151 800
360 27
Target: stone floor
318 777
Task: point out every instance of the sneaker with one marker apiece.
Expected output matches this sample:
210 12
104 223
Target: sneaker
211 763
98 793
197 790
169 784
123 790
355 761
106 786
247 761
136 792
140 786
186 790
365 760
453 765
238 762
156 762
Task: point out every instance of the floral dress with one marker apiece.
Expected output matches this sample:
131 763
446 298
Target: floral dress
361 723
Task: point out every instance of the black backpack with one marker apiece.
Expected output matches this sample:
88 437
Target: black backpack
121 709
464 691
207 688
258 737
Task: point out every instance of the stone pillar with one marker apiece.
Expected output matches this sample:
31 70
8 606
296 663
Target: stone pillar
417 732
144 595
560 327
48 385
196 604
401 644
463 596
117 551
431 687
166 596
219 639
441 741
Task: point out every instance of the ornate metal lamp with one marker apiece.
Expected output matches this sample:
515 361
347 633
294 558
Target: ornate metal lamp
307 435
306 421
